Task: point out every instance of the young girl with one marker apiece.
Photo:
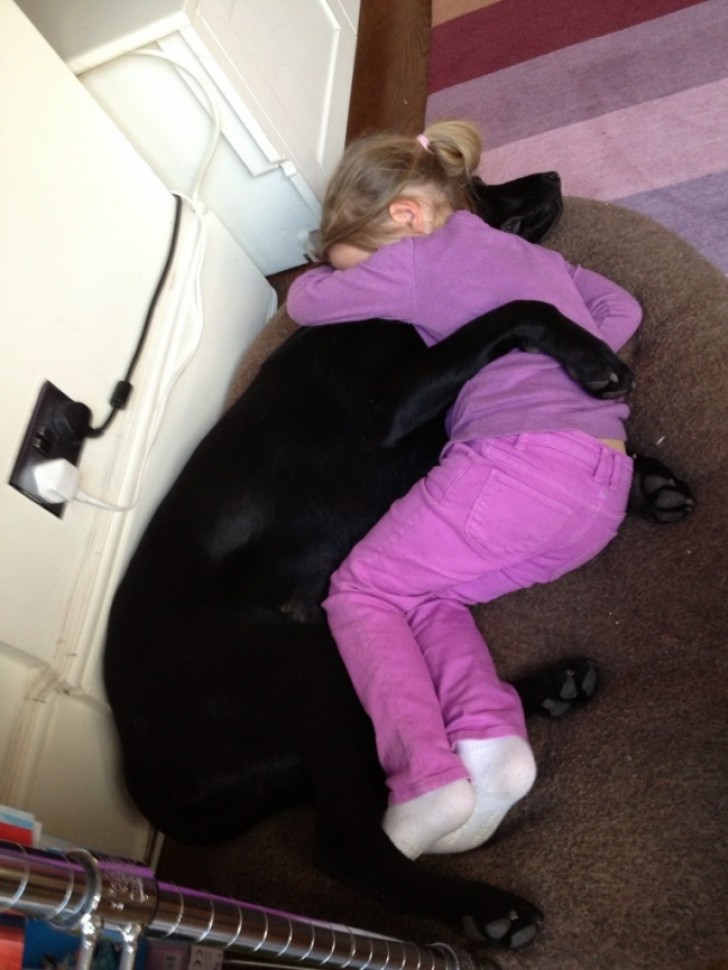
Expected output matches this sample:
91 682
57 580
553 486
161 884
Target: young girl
533 482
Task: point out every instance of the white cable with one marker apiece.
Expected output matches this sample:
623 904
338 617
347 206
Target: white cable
212 101
82 496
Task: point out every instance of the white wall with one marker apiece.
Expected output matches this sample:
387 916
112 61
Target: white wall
84 230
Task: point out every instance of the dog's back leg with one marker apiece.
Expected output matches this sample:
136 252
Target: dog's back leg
351 846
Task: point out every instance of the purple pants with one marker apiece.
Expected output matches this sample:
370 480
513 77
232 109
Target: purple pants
494 516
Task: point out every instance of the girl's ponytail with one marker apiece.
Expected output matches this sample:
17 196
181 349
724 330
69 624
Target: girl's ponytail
457 146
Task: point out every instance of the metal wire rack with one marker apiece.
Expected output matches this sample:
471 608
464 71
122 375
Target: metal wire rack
100 897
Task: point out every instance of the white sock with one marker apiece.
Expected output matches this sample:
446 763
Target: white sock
417 823
502 771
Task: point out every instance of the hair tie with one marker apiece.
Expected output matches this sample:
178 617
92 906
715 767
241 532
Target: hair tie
424 141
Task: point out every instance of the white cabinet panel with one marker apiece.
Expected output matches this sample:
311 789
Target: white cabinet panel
280 71
85 227
293 62
70 780
84 231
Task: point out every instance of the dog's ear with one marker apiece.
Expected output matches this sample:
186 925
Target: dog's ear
528 206
512 224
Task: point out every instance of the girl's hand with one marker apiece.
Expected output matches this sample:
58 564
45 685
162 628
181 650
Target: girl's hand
343 255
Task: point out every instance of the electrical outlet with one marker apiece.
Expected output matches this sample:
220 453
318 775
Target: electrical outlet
57 429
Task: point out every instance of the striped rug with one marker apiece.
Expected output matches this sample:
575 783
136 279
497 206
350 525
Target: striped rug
627 99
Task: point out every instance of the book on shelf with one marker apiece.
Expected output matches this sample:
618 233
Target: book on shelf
19 826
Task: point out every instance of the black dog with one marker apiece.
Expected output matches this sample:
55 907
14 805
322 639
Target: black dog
228 692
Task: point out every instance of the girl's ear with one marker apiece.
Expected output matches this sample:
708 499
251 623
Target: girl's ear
407 214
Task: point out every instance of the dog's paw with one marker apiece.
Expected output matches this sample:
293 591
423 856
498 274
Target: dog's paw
510 929
657 494
603 375
555 690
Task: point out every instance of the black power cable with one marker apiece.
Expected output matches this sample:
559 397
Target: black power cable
123 388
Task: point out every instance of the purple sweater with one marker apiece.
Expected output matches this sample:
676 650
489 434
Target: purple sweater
441 281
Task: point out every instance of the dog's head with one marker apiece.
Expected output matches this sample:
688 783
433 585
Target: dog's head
529 206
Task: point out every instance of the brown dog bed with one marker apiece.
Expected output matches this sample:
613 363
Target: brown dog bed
623 841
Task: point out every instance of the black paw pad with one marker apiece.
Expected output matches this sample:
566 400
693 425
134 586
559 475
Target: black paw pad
657 494
666 499
510 932
613 384
578 684
556 690
612 379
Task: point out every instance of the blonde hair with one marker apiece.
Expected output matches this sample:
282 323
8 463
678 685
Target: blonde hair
377 169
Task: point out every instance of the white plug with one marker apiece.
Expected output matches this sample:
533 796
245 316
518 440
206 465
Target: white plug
56 480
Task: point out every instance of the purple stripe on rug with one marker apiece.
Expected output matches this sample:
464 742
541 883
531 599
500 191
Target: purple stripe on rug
637 149
513 31
696 210
681 50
